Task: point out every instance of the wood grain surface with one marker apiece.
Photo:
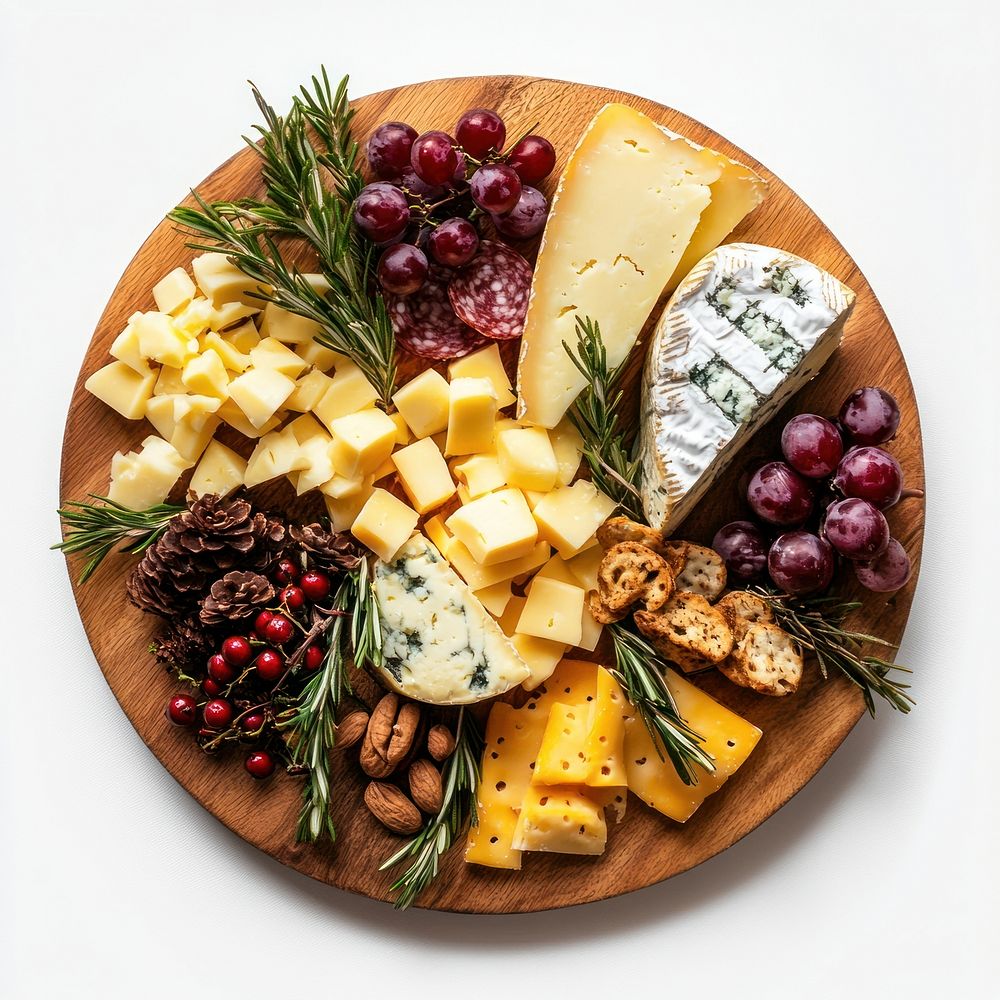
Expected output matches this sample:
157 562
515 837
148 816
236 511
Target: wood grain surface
800 733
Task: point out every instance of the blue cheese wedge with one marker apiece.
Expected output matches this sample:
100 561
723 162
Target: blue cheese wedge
748 327
439 644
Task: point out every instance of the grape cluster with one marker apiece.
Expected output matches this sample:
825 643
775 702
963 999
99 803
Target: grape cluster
433 190
833 469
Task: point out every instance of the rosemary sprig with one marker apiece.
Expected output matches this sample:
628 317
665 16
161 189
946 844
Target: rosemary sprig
460 779
641 672
595 415
96 528
818 625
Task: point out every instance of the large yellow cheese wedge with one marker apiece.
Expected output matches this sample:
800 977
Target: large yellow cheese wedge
626 209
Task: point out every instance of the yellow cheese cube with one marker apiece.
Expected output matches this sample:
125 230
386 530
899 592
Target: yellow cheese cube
122 388
361 441
309 390
206 374
318 356
482 474
343 510
222 281
173 291
424 475
260 393
192 435
220 471
168 382
553 610
403 435
288 327
126 349
140 480
464 496
436 530
423 402
495 597
167 412
341 487
276 454
569 516
384 524
584 566
234 360
527 458
161 341
590 630
556 569
348 393
229 314
541 655
306 427
495 528
195 318
387 468
237 419
478 576
533 497
567 445
161 412
243 337
273 354
487 364
319 464
472 411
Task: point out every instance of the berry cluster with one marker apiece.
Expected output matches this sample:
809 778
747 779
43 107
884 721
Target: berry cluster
861 481
242 687
432 190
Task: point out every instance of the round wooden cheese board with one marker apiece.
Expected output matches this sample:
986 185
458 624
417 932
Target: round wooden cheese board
800 732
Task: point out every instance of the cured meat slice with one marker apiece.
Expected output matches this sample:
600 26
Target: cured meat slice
425 323
491 292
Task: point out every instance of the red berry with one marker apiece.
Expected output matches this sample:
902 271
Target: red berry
287 572
533 158
217 713
182 710
314 657
237 651
212 688
315 585
260 764
260 622
253 722
221 670
270 666
293 598
279 630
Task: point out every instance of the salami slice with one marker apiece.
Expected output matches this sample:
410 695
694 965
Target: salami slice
425 323
491 292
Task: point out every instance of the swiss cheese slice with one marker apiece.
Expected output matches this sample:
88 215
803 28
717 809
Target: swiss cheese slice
562 819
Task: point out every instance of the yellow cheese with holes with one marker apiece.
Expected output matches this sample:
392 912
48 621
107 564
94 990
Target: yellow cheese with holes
481 473
233 359
478 576
237 419
553 611
472 412
568 517
361 441
495 597
288 327
195 318
424 475
318 356
276 454
309 390
143 479
562 820
260 393
624 212
728 738
349 392
173 291
488 364
384 524
567 445
126 348
496 528
527 459
562 758
160 340
229 314
122 388
604 746
224 282
424 402
273 354
221 470
206 375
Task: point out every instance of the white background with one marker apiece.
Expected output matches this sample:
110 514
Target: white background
879 878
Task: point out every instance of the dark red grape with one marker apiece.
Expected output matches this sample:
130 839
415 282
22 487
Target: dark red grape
887 572
454 242
743 548
533 158
526 218
870 474
402 269
434 158
812 445
856 529
419 190
388 149
800 562
495 188
779 495
381 212
870 415
479 130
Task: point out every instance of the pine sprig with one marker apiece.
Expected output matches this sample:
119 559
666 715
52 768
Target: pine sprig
642 674
95 529
595 415
817 624
460 779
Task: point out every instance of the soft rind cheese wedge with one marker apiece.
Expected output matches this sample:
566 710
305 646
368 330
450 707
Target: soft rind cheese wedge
748 327
439 644
627 206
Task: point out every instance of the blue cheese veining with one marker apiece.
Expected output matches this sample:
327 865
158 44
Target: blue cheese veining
743 331
439 644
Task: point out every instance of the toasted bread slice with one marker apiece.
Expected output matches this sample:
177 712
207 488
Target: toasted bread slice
675 552
688 631
703 572
766 660
743 609
624 529
631 573
600 612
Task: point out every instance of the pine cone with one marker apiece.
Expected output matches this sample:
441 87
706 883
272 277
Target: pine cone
327 550
186 642
236 596
210 538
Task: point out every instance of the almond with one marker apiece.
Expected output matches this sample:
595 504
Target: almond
351 728
440 743
404 732
425 786
392 808
380 724
372 762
